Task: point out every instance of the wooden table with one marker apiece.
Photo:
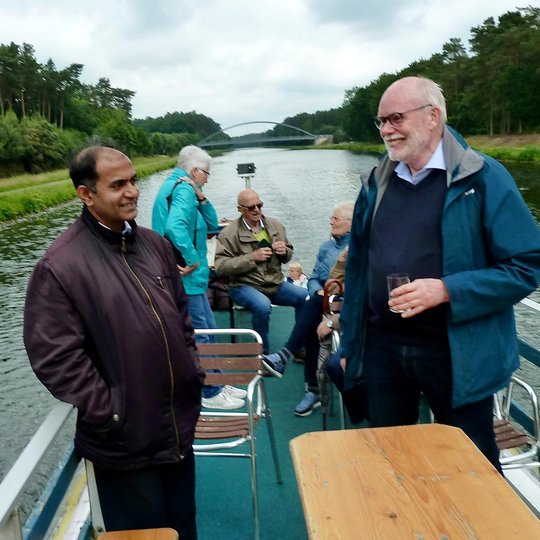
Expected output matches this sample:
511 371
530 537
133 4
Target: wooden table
421 482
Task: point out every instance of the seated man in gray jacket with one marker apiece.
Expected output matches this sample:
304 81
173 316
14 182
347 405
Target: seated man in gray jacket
250 253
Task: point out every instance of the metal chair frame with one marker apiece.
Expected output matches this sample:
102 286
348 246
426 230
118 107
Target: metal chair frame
236 364
523 448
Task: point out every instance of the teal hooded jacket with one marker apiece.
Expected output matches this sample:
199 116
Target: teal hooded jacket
491 260
186 225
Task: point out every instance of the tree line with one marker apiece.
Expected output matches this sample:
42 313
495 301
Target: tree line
46 112
491 89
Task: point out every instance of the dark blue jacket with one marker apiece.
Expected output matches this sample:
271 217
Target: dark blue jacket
491 260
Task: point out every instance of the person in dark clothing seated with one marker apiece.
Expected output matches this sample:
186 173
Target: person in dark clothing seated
305 328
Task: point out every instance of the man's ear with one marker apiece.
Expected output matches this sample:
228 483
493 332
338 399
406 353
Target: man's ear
84 194
435 116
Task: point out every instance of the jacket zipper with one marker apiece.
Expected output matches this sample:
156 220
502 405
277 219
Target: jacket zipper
166 341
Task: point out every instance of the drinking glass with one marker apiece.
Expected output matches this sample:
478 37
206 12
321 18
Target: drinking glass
396 280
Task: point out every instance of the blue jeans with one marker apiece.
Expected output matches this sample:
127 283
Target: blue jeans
203 317
260 304
396 374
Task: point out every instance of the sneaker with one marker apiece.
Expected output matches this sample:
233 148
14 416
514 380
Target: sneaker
275 364
309 402
234 392
222 401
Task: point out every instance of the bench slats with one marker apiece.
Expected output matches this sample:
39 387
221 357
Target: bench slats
509 436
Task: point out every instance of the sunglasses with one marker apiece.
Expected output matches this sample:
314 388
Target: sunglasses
253 207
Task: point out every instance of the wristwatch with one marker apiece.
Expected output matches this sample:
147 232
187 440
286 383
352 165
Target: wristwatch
330 323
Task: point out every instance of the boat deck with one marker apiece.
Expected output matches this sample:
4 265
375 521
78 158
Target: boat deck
223 485
224 502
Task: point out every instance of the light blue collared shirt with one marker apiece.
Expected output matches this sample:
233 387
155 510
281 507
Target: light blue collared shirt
436 161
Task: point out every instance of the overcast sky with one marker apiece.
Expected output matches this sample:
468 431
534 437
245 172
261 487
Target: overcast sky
240 60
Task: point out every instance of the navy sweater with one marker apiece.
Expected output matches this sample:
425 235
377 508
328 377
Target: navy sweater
406 238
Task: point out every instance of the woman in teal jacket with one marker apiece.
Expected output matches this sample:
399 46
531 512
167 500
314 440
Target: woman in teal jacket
183 215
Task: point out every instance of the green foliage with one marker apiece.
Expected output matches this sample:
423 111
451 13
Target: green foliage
44 148
321 122
191 123
11 138
492 90
26 194
170 143
28 201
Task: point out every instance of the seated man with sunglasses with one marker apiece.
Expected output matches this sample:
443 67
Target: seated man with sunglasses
250 252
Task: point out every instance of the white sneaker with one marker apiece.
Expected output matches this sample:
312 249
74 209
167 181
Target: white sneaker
222 401
237 393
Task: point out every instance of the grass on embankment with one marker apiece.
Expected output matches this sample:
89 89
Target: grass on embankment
25 194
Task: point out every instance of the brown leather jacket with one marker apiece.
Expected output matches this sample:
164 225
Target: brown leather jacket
106 328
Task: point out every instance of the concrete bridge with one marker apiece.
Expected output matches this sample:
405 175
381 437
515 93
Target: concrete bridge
255 139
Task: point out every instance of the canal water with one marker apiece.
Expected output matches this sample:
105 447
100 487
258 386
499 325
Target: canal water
298 187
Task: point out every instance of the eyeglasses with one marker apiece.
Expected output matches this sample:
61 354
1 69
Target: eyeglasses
252 207
396 119
205 172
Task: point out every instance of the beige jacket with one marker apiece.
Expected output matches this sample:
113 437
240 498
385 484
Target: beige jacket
234 259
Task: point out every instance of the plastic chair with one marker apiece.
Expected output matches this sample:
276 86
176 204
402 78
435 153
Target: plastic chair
140 534
518 448
232 434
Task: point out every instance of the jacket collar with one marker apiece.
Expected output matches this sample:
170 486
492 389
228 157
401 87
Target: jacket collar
461 159
342 240
106 234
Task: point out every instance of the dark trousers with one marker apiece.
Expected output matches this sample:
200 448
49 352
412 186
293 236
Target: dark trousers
148 498
396 375
303 333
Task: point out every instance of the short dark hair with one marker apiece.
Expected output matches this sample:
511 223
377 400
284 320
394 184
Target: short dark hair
83 166
83 170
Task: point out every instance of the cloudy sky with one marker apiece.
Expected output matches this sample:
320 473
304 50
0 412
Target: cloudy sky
240 60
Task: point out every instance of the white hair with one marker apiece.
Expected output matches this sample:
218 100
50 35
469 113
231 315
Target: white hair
346 208
193 157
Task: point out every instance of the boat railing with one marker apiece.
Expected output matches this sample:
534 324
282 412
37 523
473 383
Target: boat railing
532 354
19 475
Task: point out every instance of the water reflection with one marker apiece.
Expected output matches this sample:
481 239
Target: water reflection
527 176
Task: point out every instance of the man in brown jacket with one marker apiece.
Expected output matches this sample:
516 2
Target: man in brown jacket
250 253
107 329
